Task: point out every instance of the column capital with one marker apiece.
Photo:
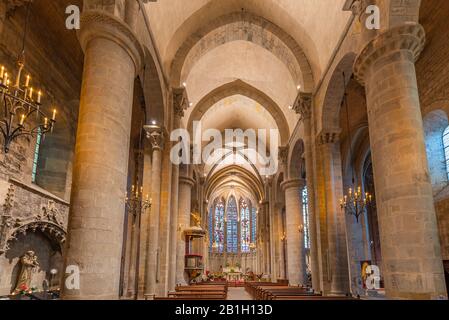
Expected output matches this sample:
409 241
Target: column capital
100 24
156 136
283 154
303 105
409 37
293 183
180 101
328 136
187 181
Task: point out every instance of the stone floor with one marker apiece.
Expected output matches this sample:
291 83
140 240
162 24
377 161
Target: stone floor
238 294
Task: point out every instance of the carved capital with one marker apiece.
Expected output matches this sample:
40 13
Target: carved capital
408 37
294 183
328 137
155 135
180 101
283 154
100 24
303 105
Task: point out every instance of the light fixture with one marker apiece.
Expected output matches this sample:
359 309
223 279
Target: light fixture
298 87
355 201
135 202
21 103
184 85
191 104
301 228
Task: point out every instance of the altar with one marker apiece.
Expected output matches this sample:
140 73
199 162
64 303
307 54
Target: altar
233 274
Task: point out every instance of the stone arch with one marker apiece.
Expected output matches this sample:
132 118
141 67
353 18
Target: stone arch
248 27
242 88
154 88
297 168
335 92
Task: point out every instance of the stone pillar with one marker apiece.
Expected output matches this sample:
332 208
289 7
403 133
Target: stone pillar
337 261
184 203
280 241
296 254
411 255
155 135
180 103
304 108
112 59
131 13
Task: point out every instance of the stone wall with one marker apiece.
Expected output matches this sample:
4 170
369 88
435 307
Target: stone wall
433 80
30 219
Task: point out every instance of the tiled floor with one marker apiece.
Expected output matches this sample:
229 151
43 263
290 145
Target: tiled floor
238 294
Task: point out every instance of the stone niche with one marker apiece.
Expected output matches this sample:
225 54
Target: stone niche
49 258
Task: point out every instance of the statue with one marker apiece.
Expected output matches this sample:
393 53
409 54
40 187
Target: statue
29 265
196 219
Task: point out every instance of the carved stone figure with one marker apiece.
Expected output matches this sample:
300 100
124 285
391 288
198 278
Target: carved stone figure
29 265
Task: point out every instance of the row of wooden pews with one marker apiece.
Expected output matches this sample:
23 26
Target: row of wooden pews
201 291
276 291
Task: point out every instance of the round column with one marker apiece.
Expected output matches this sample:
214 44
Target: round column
95 232
411 255
156 137
296 255
184 204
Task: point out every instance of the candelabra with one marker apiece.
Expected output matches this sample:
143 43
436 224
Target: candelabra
355 202
20 102
135 203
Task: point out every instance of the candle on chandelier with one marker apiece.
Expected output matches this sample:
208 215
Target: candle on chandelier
5 78
22 119
2 72
39 96
54 115
27 81
31 94
45 123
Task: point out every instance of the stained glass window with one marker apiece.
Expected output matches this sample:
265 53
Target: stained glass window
211 228
219 226
245 236
305 210
232 226
36 155
254 226
446 148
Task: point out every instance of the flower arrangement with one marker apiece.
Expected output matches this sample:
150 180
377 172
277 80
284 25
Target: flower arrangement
24 290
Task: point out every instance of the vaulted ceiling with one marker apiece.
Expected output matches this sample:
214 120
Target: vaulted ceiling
242 63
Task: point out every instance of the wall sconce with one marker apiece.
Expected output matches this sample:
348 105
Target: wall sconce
301 228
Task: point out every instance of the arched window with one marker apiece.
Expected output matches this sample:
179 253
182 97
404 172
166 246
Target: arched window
254 226
446 148
219 226
245 236
305 211
36 155
211 228
232 226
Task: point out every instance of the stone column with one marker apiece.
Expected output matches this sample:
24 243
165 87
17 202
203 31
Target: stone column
280 240
155 135
131 13
112 59
304 108
411 255
296 254
184 203
337 261
180 103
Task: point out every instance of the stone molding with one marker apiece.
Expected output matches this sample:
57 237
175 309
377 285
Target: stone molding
328 137
303 105
408 37
156 136
293 183
100 24
49 219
